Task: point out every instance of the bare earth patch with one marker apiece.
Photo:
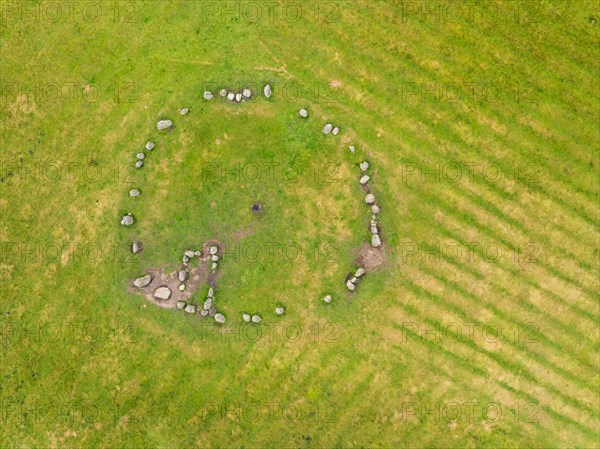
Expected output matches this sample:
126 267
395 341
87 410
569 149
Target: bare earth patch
370 258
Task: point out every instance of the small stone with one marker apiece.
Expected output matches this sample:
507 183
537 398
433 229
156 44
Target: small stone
212 311
231 96
190 308
375 208
350 286
163 293
181 304
208 96
143 281
354 280
335 131
182 276
190 254
370 198
279 310
136 247
327 299
375 240
352 148
207 304
246 317
267 91
139 164
359 272
303 113
164 124
219 318
197 253
328 128
247 93
141 156
134 193
213 250
181 287
373 217
127 220
211 292
149 146
223 92
214 258
238 97
204 312
256 319
364 165
374 230
184 111
214 266
365 179
185 259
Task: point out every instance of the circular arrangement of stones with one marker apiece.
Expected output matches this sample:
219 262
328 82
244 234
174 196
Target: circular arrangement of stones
183 275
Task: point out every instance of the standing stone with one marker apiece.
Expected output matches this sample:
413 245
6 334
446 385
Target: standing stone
190 308
149 146
238 97
134 193
204 312
185 259
352 148
359 272
197 253
375 240
328 128
279 310
223 92
335 131
327 299
136 247
231 96
256 319
207 304
375 208
163 293
247 93
213 250
374 230
181 304
143 281
364 179
164 124
139 164
354 280
350 286
190 254
211 292
219 318
181 287
246 317
127 220
267 91
370 198
182 276
208 96
184 111
141 156
364 165
214 266
214 258
303 113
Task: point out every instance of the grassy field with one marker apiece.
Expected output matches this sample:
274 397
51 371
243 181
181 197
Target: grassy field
480 121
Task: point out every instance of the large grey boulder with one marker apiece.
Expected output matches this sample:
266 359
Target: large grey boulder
127 220
370 198
375 240
247 93
164 124
207 304
246 317
350 286
231 96
208 96
359 272
213 250
238 97
149 146
190 308
256 319
182 276
143 281
163 293
134 193
189 253
303 113
327 129
335 131
219 318
365 179
141 156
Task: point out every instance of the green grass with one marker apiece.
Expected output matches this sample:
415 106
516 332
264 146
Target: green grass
85 363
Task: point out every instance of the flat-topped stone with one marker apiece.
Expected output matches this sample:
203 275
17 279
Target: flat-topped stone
164 124
143 281
163 293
